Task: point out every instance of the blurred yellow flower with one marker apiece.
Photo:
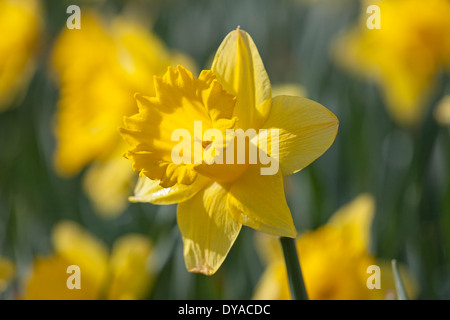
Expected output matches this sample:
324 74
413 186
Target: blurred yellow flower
7 273
99 68
334 259
404 56
442 111
215 200
21 27
126 273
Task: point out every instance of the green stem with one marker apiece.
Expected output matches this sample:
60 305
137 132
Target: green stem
294 272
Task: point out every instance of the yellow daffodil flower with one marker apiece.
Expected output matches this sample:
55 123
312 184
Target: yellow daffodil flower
404 56
216 199
99 68
334 259
21 27
126 273
7 272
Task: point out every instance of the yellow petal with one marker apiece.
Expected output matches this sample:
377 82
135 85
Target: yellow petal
7 272
354 221
226 171
207 228
176 106
258 201
273 284
48 281
141 53
241 72
289 89
306 131
442 111
108 185
218 104
347 279
148 190
22 25
181 103
131 273
77 246
87 119
168 173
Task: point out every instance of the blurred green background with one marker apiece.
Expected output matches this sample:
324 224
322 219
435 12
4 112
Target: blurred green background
406 169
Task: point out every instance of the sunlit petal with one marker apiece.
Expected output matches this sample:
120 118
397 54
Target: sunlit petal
306 131
181 103
78 247
131 268
258 201
241 72
207 228
354 221
148 190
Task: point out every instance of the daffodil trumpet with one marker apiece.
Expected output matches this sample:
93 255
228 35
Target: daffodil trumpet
211 150
215 172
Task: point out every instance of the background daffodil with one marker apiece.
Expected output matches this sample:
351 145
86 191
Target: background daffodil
334 259
405 56
22 27
216 200
99 68
442 111
125 273
7 273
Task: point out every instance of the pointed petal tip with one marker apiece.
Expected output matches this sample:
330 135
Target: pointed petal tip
293 234
133 199
180 67
203 269
240 32
140 99
289 232
137 95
